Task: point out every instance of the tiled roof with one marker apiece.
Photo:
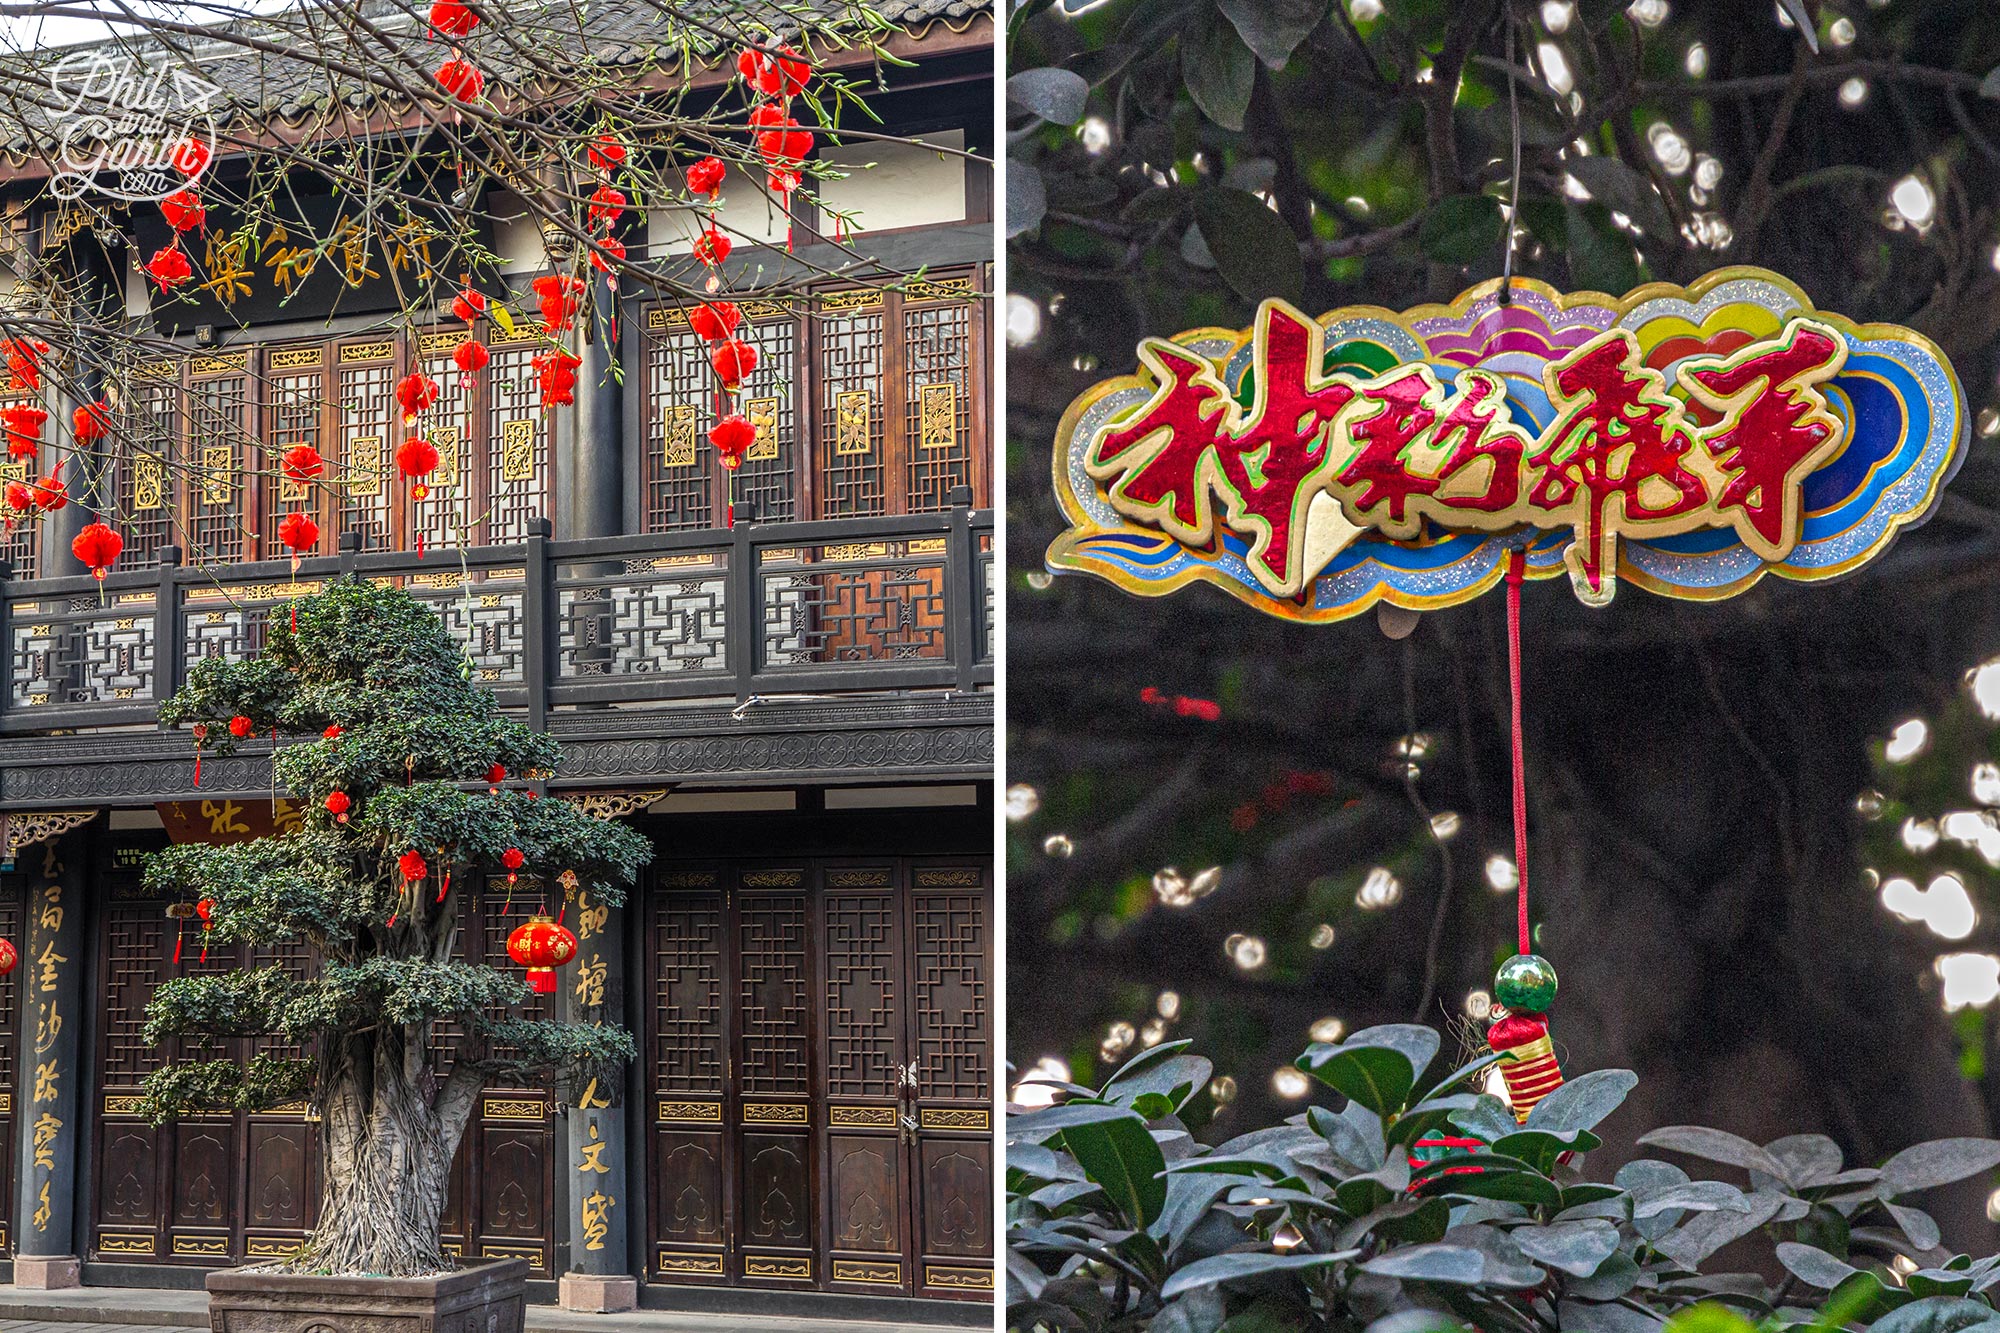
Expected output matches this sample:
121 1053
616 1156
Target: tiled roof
262 86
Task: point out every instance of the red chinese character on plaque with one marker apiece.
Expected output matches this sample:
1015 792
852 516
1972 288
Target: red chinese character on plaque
1775 427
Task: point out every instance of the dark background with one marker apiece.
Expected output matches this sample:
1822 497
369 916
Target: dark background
1693 769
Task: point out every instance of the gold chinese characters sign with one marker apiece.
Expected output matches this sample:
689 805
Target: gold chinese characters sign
1690 440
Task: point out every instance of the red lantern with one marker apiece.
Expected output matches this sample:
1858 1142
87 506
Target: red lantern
705 176
760 71
169 267
613 247
557 372
461 79
299 534
183 210
732 437
97 546
793 69
782 183
50 494
205 909
302 463
541 946
416 458
712 247
784 145
713 321
191 157
23 357
607 153
241 726
91 422
512 859
471 356
9 957
495 776
333 731
416 393
605 206
452 18
412 865
733 362
20 496
766 115
337 804
24 429
557 295
469 304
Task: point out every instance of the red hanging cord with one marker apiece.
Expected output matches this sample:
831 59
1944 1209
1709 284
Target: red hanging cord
1517 561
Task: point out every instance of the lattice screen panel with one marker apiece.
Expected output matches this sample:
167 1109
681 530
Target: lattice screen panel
937 402
294 400
773 1001
850 453
139 944
769 475
679 409
219 453
445 515
369 430
687 1000
142 481
950 990
861 1000
517 444
21 546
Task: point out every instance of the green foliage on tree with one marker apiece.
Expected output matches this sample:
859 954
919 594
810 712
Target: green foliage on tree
415 741
1361 1218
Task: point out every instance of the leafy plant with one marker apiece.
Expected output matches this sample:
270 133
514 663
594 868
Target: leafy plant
1357 1219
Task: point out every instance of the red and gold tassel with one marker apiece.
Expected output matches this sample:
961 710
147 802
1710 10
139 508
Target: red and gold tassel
1527 1059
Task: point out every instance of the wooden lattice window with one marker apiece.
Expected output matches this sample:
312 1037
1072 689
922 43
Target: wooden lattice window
142 482
21 547
678 471
769 476
850 455
368 426
295 405
448 514
219 447
514 452
939 393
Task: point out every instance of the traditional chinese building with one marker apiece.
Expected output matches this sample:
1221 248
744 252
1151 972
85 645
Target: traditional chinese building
795 708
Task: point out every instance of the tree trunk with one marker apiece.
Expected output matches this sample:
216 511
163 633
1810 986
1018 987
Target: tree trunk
386 1147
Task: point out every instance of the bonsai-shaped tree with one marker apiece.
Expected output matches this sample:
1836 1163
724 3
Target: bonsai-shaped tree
390 721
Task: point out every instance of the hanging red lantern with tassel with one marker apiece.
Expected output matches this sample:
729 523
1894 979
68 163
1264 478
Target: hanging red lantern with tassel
241 726
205 909
469 304
302 464
416 458
416 393
714 321
20 498
453 18
705 177
733 362
732 437
299 534
169 267
10 957
183 210
541 946
24 430
51 493
337 805
91 422
495 776
470 357
97 546
513 859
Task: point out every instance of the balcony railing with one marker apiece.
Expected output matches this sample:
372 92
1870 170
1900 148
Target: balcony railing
829 607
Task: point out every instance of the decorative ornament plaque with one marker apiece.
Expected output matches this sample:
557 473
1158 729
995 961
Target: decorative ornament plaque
1685 439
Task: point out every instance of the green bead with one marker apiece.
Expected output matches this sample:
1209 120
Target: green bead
1526 984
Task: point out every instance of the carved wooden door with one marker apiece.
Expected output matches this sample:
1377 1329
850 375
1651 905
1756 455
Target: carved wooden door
208 1189
819 1047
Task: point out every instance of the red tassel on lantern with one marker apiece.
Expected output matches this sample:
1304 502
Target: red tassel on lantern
97 546
416 393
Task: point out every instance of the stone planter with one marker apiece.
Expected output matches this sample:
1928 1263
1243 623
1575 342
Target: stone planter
486 1298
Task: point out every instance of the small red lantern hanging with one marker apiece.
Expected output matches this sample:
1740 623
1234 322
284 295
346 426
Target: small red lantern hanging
732 437
733 362
469 304
541 946
607 153
169 267
183 210
461 80
24 429
712 247
299 534
495 776
470 357
10 957
416 458
20 497
606 204
23 357
241 726
50 494
302 464
337 805
97 546
333 731
413 866
453 18
416 393
713 321
91 422
614 248
705 177
513 859
205 909
191 157
557 372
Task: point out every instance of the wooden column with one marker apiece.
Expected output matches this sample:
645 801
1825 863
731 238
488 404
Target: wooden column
51 976
600 1276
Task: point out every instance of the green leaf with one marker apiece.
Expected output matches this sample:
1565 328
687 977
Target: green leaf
1273 28
1123 1158
1027 201
1056 95
1938 1162
1629 191
1431 1263
1717 1145
1601 258
1808 1159
1199 1311
1416 1320
1697 1196
1939 1314
1577 1248
1463 229
1175 1079
1917 1224
1813 1266
1708 1318
1255 251
1229 1267
1038 1126
1377 1066
1219 72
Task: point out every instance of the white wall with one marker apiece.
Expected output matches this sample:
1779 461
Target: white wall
908 186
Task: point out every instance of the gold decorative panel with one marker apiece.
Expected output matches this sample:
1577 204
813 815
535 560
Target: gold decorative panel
773 1113
679 440
937 416
687 879
216 365
964 1279
445 438
861 298
773 879
858 879
950 879
200 1245
504 1108
295 358
517 449
441 344
353 353
861 1117
880 1273
702 1113
121 1105
218 462
678 1261
365 465
754 1266
943 1117
111 1242
149 481
763 414
270 1249
853 422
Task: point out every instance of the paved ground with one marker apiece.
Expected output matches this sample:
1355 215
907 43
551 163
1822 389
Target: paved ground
146 1310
